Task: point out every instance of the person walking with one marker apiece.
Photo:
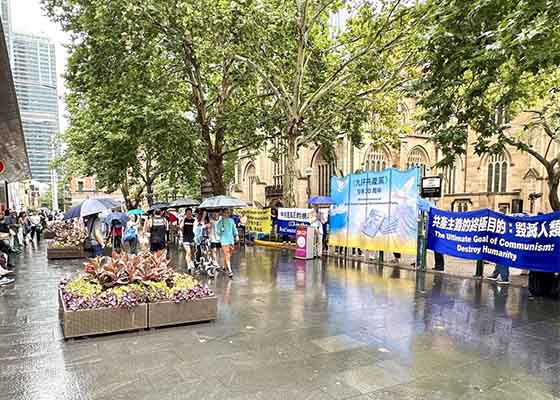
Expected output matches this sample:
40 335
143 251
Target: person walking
215 244
130 237
95 235
227 231
117 235
317 227
187 229
157 228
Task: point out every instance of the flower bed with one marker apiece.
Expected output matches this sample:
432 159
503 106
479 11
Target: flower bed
67 241
128 286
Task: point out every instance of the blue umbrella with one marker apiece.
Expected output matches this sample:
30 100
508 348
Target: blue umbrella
320 200
116 216
136 211
91 207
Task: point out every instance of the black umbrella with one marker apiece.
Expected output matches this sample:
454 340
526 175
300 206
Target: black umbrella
186 202
158 206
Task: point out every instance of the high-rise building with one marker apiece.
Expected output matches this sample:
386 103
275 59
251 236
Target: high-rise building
6 19
34 66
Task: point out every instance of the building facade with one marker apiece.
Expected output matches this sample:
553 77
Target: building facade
83 188
34 65
513 181
5 18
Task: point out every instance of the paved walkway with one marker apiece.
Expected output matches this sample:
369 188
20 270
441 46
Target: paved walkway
290 329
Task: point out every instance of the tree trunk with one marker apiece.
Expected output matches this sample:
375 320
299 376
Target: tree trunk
149 192
289 189
215 173
553 192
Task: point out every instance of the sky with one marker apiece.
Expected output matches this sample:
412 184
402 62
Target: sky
28 17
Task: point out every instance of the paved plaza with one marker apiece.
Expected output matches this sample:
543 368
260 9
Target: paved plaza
291 329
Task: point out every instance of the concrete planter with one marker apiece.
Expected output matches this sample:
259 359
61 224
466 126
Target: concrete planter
169 313
55 253
101 320
108 320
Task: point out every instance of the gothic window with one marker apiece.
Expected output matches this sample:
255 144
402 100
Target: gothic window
376 160
279 167
250 180
323 170
497 174
418 158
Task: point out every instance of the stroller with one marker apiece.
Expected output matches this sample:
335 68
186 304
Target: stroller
204 263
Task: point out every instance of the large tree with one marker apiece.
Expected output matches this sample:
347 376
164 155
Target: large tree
328 79
195 45
485 63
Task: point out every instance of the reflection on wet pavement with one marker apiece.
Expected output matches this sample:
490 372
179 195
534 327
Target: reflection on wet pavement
293 329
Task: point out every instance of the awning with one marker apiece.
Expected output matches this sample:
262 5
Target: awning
13 152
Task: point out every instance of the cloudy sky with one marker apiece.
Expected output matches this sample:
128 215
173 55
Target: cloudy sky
28 17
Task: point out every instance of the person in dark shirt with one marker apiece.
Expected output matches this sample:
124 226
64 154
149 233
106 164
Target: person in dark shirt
157 228
187 228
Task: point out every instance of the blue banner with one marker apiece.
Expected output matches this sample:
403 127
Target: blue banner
523 242
375 210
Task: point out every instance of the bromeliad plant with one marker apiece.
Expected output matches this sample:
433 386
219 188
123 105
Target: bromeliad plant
125 280
66 234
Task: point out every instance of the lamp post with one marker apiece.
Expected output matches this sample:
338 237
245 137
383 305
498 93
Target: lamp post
308 172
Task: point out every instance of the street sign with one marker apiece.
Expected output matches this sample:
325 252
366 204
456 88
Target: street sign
2 167
431 186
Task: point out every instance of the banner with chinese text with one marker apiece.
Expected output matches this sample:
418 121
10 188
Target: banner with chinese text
375 211
290 218
255 219
522 242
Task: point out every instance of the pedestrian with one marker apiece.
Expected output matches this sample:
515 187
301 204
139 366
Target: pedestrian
228 233
157 228
25 227
215 244
187 229
500 274
130 237
397 258
95 243
35 222
317 227
117 234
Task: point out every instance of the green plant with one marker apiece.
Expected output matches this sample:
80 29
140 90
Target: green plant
84 287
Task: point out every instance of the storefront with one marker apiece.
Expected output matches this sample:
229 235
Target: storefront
14 164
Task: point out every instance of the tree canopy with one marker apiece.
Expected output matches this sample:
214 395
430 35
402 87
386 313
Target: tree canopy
486 62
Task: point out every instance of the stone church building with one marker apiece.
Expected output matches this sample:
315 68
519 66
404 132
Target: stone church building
509 182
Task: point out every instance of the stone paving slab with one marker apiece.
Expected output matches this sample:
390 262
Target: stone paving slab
290 329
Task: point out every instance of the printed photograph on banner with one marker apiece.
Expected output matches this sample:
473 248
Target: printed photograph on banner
375 211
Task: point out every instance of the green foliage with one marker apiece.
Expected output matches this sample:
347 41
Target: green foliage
485 62
84 287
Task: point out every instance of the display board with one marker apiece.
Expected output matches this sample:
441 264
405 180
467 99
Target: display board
255 219
375 211
290 218
516 241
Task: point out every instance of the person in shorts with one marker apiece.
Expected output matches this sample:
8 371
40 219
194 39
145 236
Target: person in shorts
187 227
227 231
215 244
157 228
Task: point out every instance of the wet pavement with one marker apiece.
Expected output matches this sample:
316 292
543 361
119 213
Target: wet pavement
291 329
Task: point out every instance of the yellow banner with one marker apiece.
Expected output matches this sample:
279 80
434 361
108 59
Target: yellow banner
255 219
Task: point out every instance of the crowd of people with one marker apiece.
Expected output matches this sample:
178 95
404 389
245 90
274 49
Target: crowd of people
18 230
211 232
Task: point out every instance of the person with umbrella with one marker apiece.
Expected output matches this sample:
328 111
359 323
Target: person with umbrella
157 227
95 242
227 231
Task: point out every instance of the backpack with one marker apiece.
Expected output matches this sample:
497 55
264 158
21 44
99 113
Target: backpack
130 234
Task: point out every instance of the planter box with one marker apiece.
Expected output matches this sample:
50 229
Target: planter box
101 320
169 313
54 253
